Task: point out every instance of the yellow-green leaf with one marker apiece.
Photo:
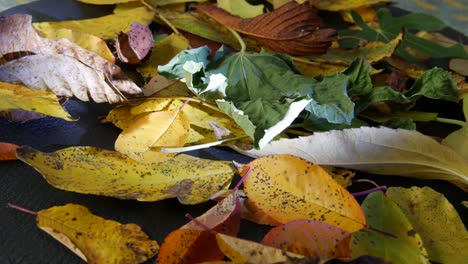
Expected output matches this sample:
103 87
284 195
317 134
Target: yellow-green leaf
20 97
289 188
82 39
436 220
95 239
104 172
337 5
162 53
384 214
105 27
241 8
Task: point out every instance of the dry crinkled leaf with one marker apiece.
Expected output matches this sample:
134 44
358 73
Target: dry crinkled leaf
289 188
84 40
133 46
20 97
436 220
375 150
105 27
63 75
309 238
382 213
149 132
293 28
95 239
17 35
162 53
103 172
192 243
338 60
8 151
337 5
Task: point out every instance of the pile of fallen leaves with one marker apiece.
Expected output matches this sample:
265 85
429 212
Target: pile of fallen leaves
272 81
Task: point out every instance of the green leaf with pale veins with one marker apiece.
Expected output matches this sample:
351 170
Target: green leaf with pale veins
436 220
382 213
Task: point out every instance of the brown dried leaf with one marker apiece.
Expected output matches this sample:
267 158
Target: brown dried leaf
18 36
293 28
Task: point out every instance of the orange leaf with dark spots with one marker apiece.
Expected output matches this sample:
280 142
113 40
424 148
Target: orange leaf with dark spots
293 28
8 151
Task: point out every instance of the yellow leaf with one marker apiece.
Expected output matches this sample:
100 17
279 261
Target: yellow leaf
241 8
436 220
20 97
289 188
367 14
95 239
143 138
338 60
162 53
244 251
82 39
103 172
337 5
105 27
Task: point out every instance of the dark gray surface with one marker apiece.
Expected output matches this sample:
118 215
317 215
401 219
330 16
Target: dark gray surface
22 242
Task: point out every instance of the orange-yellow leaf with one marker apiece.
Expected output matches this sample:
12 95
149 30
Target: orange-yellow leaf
289 188
8 151
95 239
310 238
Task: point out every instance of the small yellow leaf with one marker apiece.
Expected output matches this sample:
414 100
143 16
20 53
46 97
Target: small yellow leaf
105 27
162 53
95 239
367 14
289 188
103 172
337 5
82 39
20 97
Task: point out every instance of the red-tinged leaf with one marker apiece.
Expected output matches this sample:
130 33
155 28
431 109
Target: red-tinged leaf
133 46
8 151
193 243
310 238
293 28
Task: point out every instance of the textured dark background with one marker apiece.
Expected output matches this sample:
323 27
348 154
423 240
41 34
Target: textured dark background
22 242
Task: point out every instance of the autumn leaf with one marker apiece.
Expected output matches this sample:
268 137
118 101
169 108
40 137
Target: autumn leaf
8 151
63 75
19 36
84 40
293 28
95 239
241 8
105 27
334 5
133 46
376 150
192 243
405 247
103 172
309 238
289 188
437 222
20 97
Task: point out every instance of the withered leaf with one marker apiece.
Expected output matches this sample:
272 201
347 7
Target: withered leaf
18 36
95 239
293 28
133 46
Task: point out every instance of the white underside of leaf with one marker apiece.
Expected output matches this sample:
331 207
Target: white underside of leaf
63 75
375 150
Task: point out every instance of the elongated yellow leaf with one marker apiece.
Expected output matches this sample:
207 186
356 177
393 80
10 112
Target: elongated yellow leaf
289 188
241 8
95 239
105 27
109 173
436 220
20 97
82 39
162 53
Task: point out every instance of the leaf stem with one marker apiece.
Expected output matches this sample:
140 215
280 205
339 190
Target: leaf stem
201 146
244 177
366 192
451 121
239 39
21 209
